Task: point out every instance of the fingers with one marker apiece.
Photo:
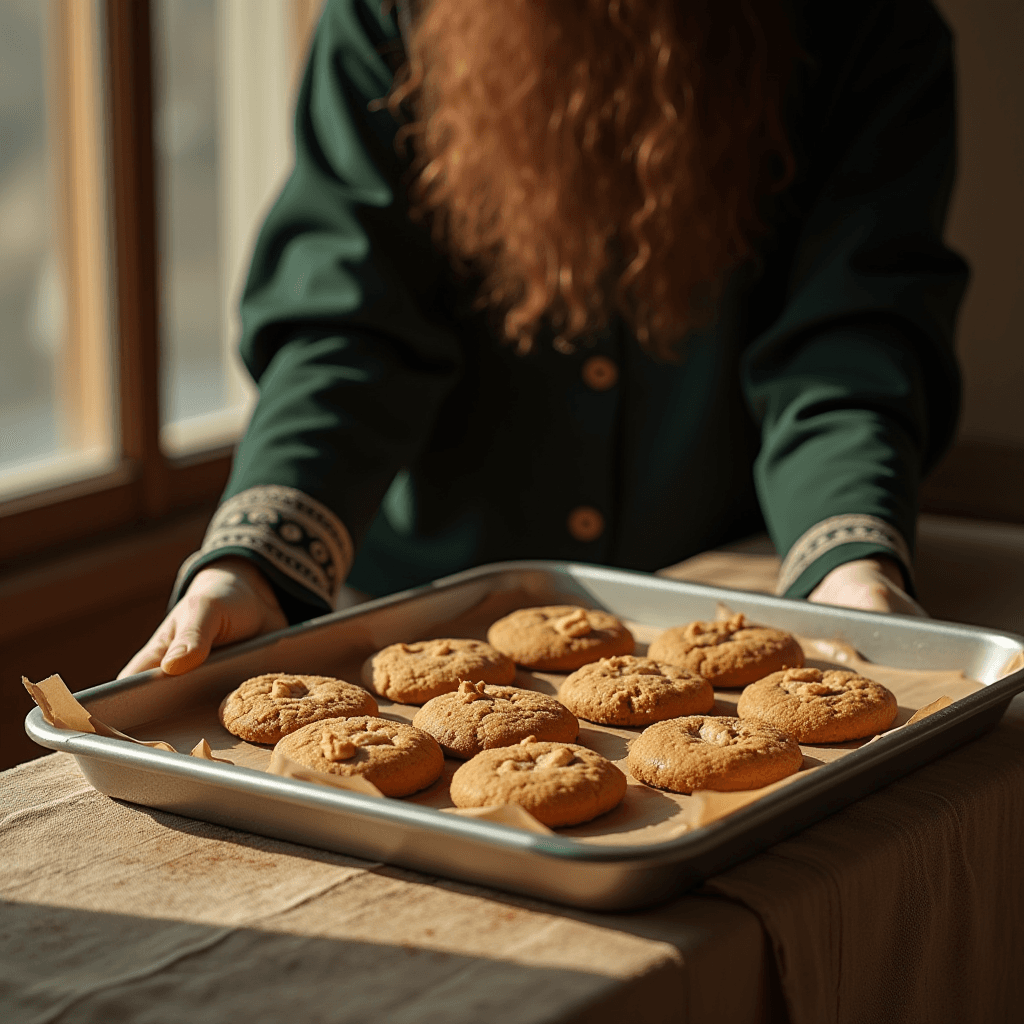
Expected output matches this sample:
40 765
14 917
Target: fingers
226 602
198 624
187 652
150 655
145 659
183 640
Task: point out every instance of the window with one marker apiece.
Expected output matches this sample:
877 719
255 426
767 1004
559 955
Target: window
56 420
224 74
140 144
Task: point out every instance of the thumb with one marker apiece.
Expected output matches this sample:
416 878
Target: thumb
193 638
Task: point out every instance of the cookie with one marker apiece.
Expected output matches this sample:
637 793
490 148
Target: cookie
397 758
265 708
820 707
626 690
728 653
559 638
705 752
558 783
478 717
415 673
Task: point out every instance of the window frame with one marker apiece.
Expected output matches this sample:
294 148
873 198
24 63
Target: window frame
145 485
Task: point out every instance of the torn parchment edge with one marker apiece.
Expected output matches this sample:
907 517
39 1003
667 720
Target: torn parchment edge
1015 663
504 814
289 769
62 709
203 752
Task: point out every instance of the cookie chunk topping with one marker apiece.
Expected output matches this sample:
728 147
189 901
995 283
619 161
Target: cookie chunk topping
470 692
810 682
709 634
718 732
574 624
336 748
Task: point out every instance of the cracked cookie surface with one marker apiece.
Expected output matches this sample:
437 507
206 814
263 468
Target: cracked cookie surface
559 638
709 752
560 784
415 673
728 653
817 706
630 691
478 716
267 707
398 759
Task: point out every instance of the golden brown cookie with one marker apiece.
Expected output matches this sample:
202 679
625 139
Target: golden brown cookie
728 653
820 707
397 758
704 752
479 716
415 673
265 708
559 638
558 783
626 690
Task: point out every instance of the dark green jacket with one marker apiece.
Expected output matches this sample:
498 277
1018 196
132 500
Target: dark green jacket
826 387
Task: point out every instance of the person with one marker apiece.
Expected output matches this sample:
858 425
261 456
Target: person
614 281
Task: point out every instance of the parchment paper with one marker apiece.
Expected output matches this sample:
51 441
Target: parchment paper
645 816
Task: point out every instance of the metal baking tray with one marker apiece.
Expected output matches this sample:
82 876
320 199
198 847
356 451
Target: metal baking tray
553 867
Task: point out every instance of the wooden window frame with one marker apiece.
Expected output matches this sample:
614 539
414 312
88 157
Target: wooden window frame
145 487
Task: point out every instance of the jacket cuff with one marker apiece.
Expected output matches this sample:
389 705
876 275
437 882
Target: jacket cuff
836 540
300 543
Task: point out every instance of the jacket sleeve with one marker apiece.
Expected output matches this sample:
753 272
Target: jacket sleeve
855 383
342 330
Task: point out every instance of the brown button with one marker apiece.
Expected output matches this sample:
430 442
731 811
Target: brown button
600 373
586 523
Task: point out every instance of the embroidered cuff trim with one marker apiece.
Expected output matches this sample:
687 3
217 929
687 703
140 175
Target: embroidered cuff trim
300 537
837 530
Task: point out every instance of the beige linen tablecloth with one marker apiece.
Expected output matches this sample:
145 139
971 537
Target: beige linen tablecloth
118 913
907 906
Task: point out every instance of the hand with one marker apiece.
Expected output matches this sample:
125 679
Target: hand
874 584
228 600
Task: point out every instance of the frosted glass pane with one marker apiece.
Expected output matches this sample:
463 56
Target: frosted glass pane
55 398
225 71
185 128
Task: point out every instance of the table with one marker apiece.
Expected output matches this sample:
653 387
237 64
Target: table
903 907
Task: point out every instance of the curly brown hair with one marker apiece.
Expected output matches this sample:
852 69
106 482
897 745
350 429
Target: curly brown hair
594 157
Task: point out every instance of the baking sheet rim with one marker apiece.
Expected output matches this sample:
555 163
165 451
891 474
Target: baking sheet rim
561 847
